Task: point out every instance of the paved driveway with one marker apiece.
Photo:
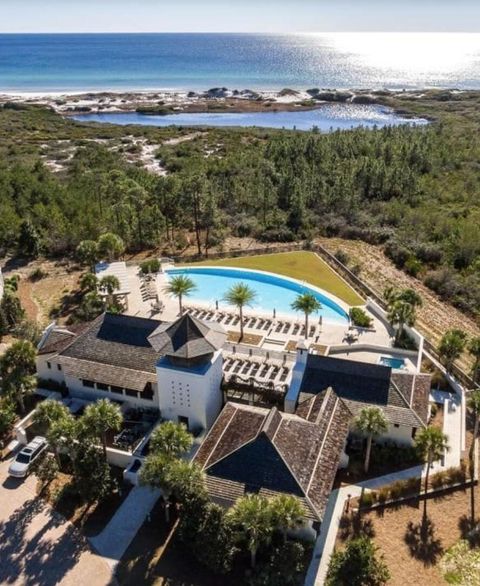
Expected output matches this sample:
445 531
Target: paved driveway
37 546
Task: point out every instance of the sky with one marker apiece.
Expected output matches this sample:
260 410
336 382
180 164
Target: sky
238 15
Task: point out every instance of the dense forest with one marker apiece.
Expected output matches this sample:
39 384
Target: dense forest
413 190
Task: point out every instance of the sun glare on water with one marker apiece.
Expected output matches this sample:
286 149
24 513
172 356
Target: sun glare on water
408 54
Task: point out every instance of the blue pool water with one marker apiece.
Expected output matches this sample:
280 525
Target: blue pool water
328 117
392 362
272 291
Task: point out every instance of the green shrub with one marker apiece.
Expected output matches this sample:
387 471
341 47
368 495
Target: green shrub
413 266
37 274
360 318
397 489
383 494
439 480
366 499
456 475
342 257
150 266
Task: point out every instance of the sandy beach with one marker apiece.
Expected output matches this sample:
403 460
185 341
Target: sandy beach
172 101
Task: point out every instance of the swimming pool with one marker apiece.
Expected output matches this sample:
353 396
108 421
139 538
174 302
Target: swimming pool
397 363
273 292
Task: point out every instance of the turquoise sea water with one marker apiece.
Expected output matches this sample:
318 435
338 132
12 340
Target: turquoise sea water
272 291
328 117
74 62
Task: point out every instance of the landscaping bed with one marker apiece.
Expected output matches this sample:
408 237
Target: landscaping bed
413 551
250 339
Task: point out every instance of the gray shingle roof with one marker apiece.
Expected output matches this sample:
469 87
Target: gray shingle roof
58 338
187 338
117 340
360 383
251 449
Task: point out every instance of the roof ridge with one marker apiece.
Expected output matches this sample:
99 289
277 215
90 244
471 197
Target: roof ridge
402 396
238 447
320 451
294 476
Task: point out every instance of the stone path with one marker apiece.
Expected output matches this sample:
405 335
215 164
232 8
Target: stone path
115 538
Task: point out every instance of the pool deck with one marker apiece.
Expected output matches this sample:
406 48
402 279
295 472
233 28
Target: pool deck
366 345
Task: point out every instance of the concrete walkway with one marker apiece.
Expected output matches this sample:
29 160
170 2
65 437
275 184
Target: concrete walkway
452 425
115 538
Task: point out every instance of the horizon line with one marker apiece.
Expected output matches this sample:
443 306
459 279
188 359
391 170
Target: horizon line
391 32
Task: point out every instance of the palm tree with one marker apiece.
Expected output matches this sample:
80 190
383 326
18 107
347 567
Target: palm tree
392 294
89 282
401 313
240 295
47 414
307 303
110 246
288 513
372 422
171 440
101 417
17 367
183 479
252 514
431 444
87 253
451 347
63 435
474 404
109 284
474 350
180 286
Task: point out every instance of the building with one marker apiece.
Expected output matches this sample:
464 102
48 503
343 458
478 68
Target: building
402 396
175 368
268 452
190 371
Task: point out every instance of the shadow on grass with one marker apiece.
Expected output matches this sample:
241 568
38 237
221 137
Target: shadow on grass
422 543
470 530
352 526
157 556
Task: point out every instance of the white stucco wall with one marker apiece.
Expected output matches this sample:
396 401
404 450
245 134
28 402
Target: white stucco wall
400 435
52 373
187 393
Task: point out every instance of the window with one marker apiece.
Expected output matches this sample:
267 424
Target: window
59 367
148 392
49 366
88 383
131 393
118 390
396 425
102 387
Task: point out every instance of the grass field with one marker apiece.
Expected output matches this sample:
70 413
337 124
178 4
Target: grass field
303 265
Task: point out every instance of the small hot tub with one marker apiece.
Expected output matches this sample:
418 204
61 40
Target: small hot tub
395 363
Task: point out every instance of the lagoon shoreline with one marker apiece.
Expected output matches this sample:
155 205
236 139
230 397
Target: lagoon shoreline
215 100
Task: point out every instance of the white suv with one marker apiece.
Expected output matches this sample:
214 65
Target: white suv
23 461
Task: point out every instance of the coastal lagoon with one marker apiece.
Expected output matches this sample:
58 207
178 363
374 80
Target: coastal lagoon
326 118
123 62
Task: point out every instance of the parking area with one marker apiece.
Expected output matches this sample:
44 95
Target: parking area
37 546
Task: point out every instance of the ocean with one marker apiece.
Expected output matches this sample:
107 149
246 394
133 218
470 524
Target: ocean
121 62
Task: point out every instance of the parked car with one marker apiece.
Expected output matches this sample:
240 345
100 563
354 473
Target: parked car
23 461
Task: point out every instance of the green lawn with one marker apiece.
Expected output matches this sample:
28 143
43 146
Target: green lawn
304 266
